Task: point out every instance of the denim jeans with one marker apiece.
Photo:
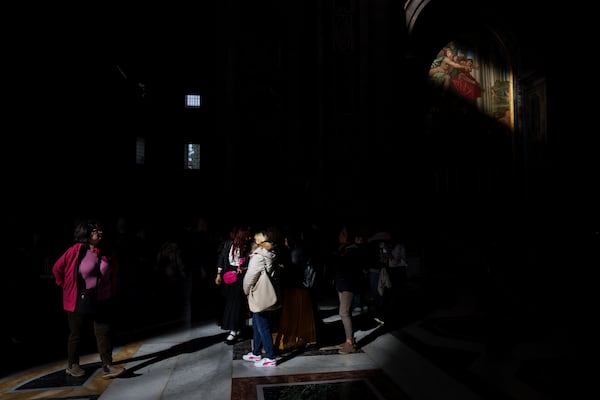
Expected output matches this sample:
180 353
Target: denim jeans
262 338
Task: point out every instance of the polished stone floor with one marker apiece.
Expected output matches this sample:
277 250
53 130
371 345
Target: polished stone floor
450 352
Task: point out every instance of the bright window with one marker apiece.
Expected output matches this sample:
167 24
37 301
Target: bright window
193 100
192 156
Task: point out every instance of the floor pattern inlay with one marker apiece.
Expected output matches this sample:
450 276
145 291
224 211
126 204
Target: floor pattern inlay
364 385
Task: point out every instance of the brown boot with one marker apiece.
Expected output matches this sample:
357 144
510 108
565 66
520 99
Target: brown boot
347 348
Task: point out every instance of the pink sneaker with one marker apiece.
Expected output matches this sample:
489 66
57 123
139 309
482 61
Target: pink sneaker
251 357
266 362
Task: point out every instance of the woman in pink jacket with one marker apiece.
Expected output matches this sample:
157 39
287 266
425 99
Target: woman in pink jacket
85 266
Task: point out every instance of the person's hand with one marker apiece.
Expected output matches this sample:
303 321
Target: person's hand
218 280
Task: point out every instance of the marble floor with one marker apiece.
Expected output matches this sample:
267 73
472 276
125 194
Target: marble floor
444 354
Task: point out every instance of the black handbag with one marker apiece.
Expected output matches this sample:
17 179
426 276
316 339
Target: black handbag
86 298
86 302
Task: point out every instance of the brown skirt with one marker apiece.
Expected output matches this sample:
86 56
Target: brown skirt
297 327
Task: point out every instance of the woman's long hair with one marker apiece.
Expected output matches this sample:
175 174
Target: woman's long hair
240 240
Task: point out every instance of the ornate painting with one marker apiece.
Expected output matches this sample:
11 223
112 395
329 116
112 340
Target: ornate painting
482 79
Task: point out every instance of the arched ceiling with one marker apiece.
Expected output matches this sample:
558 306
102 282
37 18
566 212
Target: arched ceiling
412 9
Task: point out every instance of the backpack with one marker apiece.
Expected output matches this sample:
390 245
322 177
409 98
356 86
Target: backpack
310 275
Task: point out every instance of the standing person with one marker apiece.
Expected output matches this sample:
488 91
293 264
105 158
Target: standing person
201 253
232 257
347 267
361 253
262 256
297 326
380 252
86 263
172 277
397 269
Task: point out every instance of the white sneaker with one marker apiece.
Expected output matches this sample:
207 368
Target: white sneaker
266 362
251 357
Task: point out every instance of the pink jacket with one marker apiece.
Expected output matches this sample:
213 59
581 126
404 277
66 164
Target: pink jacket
64 276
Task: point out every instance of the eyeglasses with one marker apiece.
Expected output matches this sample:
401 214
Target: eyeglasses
98 231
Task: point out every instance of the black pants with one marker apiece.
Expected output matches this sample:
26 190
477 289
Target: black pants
102 331
393 306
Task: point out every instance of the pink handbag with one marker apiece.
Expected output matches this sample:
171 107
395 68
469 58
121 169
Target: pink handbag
230 277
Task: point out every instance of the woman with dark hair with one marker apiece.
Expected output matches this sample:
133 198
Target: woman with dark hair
233 257
85 265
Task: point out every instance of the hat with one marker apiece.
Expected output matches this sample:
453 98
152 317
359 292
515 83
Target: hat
380 237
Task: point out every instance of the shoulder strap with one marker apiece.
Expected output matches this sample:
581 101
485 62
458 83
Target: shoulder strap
80 256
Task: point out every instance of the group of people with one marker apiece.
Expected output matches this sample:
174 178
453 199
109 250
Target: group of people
365 269
369 269
243 255
291 321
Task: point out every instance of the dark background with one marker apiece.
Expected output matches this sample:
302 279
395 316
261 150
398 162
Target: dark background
304 118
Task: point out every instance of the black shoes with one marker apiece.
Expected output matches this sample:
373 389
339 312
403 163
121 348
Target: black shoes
232 337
